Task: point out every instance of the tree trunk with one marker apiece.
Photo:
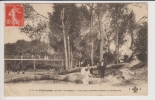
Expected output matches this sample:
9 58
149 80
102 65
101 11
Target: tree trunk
71 64
91 26
117 50
108 53
117 44
69 53
131 46
65 44
101 35
92 61
34 66
61 59
117 39
79 62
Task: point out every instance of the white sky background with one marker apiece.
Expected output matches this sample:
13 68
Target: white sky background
13 34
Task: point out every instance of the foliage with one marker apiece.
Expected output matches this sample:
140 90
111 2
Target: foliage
115 22
109 57
35 24
24 47
141 42
119 21
76 22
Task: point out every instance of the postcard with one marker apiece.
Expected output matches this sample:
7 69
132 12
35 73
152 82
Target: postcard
76 49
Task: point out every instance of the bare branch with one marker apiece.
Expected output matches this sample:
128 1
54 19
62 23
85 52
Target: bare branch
67 20
46 17
92 7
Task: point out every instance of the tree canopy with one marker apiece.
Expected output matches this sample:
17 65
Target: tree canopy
82 32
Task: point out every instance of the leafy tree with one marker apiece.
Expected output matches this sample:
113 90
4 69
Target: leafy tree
131 27
119 24
73 19
9 49
141 42
35 23
22 47
18 48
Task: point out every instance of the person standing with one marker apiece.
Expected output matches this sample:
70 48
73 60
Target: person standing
87 76
125 57
103 64
98 68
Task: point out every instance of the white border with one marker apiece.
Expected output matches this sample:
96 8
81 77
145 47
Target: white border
151 56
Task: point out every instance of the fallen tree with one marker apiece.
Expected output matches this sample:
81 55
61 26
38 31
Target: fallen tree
70 75
113 72
77 78
78 69
73 77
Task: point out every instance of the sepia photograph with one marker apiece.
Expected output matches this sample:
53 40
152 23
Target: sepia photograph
76 49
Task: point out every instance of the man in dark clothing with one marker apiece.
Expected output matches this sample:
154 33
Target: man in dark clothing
98 68
102 68
125 57
91 70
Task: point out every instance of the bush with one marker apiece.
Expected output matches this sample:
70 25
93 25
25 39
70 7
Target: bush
142 56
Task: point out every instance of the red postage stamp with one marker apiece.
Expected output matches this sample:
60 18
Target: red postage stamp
14 15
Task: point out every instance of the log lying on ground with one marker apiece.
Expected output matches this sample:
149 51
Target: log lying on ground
78 69
115 66
77 78
72 77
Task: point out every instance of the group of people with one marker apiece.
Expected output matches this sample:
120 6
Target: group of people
87 72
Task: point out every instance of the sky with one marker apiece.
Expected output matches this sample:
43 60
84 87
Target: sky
43 8
12 34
